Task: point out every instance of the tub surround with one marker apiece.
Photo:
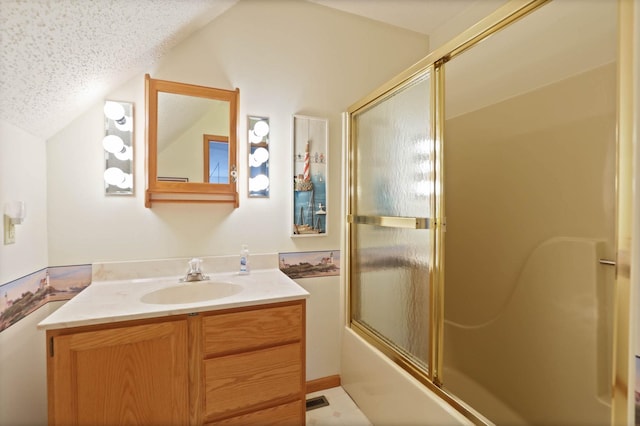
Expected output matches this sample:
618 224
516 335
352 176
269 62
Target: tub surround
386 393
117 288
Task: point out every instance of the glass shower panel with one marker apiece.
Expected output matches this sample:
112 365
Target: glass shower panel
529 160
393 158
393 177
392 282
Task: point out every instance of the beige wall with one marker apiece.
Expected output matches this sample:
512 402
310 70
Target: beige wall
287 58
23 369
22 361
23 171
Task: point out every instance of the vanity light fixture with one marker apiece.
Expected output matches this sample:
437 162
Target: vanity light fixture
258 135
118 148
14 214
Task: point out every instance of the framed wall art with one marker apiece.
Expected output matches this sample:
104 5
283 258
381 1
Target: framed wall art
310 167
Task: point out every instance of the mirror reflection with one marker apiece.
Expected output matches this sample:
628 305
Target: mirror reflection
183 121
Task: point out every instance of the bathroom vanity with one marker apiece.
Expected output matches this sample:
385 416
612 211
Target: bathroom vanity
114 357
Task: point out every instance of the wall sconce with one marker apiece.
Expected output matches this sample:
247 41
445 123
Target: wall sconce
118 148
14 214
258 129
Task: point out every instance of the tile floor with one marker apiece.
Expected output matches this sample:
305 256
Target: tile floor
341 411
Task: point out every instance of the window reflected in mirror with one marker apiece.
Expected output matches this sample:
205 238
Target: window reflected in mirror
258 137
216 159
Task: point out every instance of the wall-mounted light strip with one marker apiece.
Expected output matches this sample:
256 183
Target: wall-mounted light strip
118 148
258 137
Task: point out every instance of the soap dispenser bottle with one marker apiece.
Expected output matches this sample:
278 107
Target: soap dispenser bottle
244 260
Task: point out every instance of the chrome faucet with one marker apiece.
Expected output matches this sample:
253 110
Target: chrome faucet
195 271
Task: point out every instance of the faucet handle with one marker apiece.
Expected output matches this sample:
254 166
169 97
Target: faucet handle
194 265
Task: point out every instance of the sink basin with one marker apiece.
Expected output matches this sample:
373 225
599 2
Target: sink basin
192 292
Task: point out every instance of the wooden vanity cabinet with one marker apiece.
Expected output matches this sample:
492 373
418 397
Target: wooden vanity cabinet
243 366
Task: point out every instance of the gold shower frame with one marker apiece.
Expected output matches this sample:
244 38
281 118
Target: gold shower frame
625 170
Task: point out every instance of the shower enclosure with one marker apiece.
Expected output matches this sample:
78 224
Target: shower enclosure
482 211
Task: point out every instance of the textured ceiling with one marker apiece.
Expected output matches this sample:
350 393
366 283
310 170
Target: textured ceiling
60 56
57 57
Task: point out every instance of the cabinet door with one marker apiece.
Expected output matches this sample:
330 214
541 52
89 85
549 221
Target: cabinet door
135 375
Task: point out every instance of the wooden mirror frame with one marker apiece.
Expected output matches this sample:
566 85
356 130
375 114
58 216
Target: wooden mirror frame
193 192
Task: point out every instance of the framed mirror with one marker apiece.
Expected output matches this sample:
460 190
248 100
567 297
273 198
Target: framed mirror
191 143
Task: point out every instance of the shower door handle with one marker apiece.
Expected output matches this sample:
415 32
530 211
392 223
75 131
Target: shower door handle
392 221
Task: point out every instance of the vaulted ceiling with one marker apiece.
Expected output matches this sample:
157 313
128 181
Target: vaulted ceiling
57 57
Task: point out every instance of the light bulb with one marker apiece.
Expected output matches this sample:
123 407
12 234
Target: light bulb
260 156
125 154
114 176
258 183
261 128
253 138
125 124
127 181
113 144
113 110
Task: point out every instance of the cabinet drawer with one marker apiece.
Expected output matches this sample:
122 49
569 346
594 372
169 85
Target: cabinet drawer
238 331
292 414
253 380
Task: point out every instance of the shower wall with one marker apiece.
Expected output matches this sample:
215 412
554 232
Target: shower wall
529 186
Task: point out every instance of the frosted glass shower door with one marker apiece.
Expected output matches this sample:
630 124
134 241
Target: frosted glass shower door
391 203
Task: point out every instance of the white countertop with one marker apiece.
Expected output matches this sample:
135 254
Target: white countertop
120 300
